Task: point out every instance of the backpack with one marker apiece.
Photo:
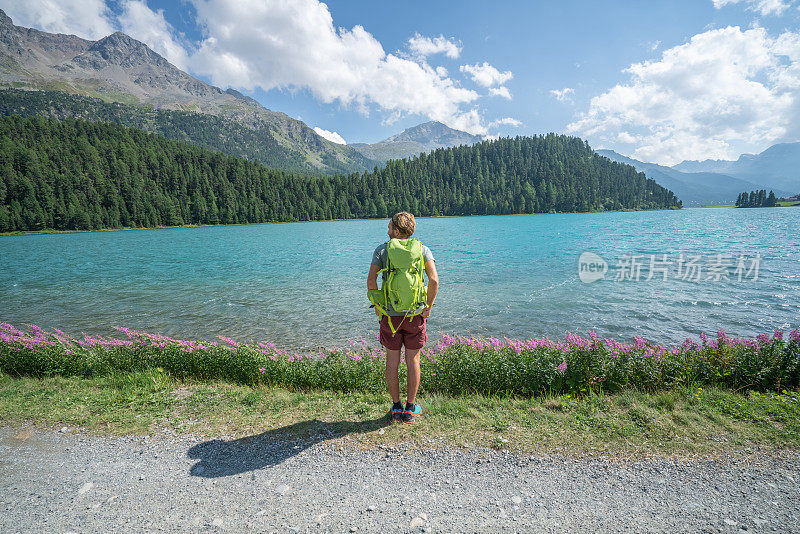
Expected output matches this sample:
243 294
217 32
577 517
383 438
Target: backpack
402 285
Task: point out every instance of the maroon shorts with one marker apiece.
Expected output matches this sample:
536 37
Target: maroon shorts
410 332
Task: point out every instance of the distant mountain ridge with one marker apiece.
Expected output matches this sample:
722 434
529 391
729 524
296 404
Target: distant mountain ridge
118 68
777 166
415 140
693 188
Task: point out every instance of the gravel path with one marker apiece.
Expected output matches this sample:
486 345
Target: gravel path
53 481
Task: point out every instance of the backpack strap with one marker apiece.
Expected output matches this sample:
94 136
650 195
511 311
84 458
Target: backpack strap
391 326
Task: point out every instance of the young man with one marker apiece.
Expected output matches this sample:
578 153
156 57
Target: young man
409 330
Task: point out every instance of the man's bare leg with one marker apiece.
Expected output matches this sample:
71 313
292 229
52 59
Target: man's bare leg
392 381
412 363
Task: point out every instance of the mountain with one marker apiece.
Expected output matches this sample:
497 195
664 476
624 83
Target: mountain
777 166
693 188
75 174
416 140
120 69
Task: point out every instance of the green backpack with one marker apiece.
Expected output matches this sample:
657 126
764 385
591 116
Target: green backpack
402 285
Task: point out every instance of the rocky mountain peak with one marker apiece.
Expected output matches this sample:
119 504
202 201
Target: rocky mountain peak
121 50
5 20
420 138
435 134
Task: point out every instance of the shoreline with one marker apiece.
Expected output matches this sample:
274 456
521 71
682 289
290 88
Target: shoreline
46 232
581 396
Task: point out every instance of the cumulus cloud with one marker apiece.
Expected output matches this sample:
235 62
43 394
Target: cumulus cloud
295 45
333 137
89 19
725 92
486 75
500 91
425 46
563 95
764 7
150 27
505 121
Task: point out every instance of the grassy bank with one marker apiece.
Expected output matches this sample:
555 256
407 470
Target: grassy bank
681 422
580 395
455 366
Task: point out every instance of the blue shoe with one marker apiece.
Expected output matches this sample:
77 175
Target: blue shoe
396 412
411 412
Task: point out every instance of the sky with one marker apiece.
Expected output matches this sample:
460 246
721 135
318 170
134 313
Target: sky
659 81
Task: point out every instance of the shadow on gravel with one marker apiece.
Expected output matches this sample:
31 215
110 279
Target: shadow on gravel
219 458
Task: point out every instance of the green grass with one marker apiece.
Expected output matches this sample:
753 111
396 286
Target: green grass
456 366
683 422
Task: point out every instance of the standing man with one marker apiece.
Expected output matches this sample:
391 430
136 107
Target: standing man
403 329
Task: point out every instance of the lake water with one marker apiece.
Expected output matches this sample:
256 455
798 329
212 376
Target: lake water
302 285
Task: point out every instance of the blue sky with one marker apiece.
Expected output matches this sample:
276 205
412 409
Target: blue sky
658 81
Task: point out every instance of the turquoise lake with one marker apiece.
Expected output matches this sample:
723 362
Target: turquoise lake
303 285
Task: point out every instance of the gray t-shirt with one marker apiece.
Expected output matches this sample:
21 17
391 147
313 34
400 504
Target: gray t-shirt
379 259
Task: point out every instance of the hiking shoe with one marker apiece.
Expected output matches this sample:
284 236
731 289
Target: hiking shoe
411 412
396 412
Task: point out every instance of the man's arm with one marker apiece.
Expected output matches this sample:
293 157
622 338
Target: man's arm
433 285
372 276
372 280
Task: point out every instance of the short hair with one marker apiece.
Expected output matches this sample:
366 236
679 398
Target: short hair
404 222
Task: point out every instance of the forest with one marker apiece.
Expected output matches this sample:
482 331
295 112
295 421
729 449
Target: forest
757 199
80 175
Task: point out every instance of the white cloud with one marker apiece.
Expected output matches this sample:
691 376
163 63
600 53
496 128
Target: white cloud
563 95
333 137
294 45
470 121
500 91
725 92
425 46
150 27
486 75
764 7
89 19
505 121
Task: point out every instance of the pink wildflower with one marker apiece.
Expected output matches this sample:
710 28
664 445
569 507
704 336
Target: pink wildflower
562 367
229 341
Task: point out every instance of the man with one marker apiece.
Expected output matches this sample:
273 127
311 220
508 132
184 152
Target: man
406 330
